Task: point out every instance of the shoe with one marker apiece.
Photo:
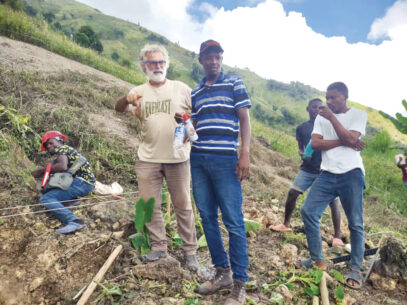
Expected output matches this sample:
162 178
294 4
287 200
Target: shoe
238 294
222 280
308 263
71 227
152 256
281 228
191 262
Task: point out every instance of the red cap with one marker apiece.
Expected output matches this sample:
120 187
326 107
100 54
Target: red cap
50 135
210 44
185 116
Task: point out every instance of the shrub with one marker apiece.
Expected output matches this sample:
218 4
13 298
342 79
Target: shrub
381 142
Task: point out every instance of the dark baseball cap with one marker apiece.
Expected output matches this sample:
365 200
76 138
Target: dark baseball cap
210 44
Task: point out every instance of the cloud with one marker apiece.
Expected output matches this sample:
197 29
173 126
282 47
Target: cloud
393 25
283 47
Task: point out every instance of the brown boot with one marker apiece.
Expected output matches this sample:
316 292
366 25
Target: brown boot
222 280
238 294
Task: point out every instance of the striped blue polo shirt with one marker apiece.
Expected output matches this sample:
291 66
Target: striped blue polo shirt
214 108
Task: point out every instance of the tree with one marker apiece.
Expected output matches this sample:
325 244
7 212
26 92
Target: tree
400 122
81 39
115 56
92 41
14 4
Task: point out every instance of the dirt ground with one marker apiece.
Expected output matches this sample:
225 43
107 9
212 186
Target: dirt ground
39 266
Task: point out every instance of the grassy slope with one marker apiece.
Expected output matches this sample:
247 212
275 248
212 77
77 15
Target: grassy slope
278 132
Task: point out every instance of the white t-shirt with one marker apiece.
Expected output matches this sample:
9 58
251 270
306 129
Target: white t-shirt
342 159
156 114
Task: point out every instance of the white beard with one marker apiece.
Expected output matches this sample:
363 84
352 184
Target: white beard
156 77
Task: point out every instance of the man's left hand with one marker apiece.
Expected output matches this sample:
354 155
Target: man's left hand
242 168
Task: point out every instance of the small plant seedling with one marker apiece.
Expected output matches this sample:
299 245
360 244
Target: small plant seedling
144 214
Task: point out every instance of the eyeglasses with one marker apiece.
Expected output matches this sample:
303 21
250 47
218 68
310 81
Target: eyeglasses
156 63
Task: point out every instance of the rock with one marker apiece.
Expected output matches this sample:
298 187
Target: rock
165 269
172 301
118 234
111 213
289 252
35 283
348 300
393 260
275 261
116 226
285 292
383 283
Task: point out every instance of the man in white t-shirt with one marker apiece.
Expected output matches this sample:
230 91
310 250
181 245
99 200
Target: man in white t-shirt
155 104
337 131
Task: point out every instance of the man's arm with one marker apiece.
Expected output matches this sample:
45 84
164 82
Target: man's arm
121 104
347 137
320 144
60 165
242 168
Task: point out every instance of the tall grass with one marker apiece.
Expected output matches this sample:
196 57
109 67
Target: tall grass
18 25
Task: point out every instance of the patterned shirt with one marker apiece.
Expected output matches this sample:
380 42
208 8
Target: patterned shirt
214 108
84 171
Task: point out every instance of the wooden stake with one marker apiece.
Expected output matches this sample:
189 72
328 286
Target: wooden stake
315 300
324 290
99 276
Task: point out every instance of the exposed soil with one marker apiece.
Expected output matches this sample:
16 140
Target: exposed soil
39 266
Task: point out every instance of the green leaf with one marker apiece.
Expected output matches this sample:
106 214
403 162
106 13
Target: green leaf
314 288
311 290
276 299
1 221
137 240
202 242
149 210
339 294
339 277
318 276
289 286
140 215
251 225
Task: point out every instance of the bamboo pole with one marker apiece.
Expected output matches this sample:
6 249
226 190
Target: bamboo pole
99 276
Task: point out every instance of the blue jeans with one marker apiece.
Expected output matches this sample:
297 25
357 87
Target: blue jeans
215 186
349 187
51 199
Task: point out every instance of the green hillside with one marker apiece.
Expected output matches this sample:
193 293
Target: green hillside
277 107
276 104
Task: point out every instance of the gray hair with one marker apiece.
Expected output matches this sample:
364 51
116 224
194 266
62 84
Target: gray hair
151 48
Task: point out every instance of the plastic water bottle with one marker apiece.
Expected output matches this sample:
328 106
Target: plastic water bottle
189 127
179 136
308 152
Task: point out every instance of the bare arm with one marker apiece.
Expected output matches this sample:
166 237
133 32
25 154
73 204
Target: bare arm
242 168
121 104
301 147
61 165
320 144
347 137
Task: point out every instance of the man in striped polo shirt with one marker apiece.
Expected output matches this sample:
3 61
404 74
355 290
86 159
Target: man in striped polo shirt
220 109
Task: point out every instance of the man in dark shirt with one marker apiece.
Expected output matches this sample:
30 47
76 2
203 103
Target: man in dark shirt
309 171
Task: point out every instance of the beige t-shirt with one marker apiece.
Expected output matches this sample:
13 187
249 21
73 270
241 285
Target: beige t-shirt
156 114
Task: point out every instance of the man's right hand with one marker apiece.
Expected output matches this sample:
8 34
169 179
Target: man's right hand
359 145
134 99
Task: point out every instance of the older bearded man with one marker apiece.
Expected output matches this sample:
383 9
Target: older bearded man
155 104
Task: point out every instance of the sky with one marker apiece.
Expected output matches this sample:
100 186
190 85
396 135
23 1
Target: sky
362 43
